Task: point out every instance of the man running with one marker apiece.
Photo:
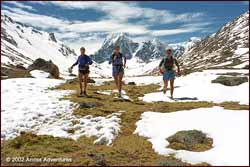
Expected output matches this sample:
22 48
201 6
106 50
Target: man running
167 68
83 62
118 62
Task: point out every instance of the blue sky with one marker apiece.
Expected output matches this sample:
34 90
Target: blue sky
88 23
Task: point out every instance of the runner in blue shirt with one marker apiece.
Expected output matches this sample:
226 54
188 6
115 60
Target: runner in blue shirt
83 62
118 62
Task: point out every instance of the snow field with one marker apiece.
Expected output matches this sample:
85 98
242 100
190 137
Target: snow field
228 128
198 86
28 105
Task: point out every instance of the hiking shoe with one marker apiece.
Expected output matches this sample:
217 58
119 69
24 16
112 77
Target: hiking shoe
84 92
164 91
119 94
81 93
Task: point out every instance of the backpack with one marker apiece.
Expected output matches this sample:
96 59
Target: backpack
168 64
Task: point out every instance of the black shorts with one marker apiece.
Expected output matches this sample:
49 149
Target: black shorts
84 71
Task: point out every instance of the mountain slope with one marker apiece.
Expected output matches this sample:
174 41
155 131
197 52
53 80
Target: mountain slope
182 47
228 48
21 45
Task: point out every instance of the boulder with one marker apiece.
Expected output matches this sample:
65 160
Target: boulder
20 67
47 66
131 83
91 80
230 81
191 140
98 158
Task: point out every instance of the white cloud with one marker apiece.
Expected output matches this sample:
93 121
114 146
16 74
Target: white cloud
37 20
65 26
186 28
123 11
91 45
166 32
20 5
116 19
105 26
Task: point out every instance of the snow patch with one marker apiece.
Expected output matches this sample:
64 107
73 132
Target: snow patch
39 74
198 86
28 105
228 128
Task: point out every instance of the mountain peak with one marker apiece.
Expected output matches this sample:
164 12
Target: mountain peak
121 39
156 41
116 36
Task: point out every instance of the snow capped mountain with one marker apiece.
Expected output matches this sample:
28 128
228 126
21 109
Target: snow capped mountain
127 46
151 50
146 51
182 47
228 48
21 45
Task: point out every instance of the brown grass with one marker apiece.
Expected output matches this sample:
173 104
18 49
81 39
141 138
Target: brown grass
128 148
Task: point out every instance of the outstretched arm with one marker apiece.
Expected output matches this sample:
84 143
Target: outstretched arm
77 61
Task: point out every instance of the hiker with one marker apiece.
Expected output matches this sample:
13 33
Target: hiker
83 62
118 63
167 68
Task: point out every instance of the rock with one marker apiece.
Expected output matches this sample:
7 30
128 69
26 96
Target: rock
131 83
72 75
71 130
20 67
171 162
84 105
91 80
230 81
230 73
47 66
191 140
52 37
98 158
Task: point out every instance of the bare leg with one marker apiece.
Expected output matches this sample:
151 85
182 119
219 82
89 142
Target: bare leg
85 80
120 76
116 81
172 87
165 86
80 81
